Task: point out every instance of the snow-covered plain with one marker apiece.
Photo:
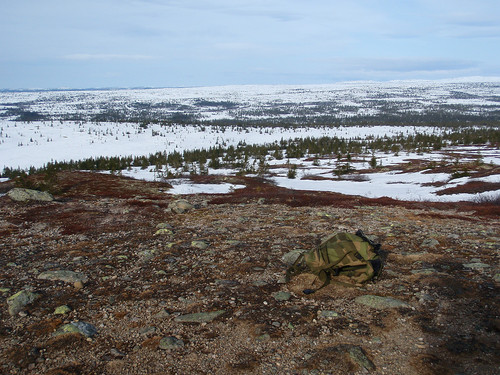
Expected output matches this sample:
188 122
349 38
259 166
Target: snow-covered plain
35 143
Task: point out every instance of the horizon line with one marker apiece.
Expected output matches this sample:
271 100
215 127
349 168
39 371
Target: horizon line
471 79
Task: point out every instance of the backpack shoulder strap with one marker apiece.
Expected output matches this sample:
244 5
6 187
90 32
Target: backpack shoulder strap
296 268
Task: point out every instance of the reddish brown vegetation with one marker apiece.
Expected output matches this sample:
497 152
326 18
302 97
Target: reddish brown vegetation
471 187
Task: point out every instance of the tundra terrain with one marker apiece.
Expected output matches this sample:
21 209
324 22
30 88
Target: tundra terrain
117 276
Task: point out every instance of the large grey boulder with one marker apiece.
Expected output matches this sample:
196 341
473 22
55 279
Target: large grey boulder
25 195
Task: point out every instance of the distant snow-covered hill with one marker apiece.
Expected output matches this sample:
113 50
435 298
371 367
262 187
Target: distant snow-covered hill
295 103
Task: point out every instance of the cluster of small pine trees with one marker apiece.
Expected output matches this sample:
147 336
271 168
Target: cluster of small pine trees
238 157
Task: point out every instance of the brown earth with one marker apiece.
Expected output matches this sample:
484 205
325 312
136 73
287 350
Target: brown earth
140 282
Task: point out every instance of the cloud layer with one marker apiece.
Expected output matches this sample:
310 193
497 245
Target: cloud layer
215 42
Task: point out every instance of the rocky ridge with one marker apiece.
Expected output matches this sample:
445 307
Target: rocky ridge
116 276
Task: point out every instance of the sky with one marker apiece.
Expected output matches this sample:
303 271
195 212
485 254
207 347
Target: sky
181 43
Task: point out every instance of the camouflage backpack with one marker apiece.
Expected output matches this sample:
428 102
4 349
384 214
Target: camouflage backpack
351 255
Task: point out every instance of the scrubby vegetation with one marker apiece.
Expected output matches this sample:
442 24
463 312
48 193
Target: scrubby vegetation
252 158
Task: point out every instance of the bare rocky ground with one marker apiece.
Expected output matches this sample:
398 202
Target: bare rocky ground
141 269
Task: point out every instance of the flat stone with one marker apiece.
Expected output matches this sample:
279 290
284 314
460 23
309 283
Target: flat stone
202 317
202 245
378 302
328 314
424 271
116 353
18 301
170 343
25 195
476 265
64 275
162 314
229 283
259 283
85 329
282 296
164 226
358 356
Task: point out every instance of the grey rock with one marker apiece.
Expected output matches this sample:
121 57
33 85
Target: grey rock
64 275
233 242
328 314
229 283
62 310
147 255
282 296
164 226
202 317
476 265
424 271
164 232
116 353
85 329
20 300
170 343
430 243
162 314
378 302
358 356
180 206
25 195
147 330
259 283
202 245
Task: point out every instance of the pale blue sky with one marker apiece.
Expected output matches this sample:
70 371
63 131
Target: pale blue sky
161 43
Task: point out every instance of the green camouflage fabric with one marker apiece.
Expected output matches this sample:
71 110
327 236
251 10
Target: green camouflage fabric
351 255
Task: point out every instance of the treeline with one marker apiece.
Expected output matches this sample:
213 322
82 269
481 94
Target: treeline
252 158
288 116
